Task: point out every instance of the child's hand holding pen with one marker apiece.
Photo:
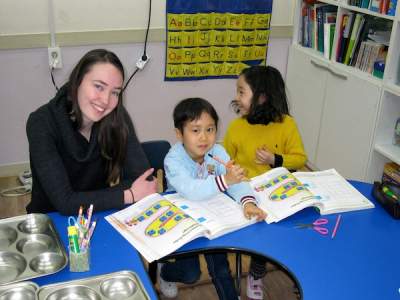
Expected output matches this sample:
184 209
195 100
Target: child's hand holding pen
235 174
264 156
251 210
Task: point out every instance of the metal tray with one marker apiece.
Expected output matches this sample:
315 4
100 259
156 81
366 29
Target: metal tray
30 247
124 285
21 290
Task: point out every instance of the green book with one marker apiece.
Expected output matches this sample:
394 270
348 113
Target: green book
352 40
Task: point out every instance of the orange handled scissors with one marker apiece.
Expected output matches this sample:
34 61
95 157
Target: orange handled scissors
316 225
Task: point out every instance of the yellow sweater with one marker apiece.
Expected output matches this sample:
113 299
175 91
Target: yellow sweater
242 139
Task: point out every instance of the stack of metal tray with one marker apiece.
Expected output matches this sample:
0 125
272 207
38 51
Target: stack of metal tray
30 247
124 285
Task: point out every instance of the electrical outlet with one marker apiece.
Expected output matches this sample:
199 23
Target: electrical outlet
142 62
55 57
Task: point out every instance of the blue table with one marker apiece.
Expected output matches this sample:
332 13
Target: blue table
361 262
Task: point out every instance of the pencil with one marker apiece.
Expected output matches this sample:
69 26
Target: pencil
227 165
336 226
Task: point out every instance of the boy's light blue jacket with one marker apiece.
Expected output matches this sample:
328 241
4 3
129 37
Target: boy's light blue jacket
198 182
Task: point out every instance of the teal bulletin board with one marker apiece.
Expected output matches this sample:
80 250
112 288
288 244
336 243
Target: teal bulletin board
215 38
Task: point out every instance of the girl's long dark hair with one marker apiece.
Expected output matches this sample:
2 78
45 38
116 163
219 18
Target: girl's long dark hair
268 82
113 128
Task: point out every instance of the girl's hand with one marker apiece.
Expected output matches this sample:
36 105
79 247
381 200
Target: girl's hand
141 187
234 174
251 210
264 156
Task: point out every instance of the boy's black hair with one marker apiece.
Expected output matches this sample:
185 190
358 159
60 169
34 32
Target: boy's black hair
191 109
267 81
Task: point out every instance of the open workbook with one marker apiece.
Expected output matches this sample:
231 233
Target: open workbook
158 225
281 193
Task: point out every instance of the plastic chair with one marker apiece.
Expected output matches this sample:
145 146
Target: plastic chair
156 151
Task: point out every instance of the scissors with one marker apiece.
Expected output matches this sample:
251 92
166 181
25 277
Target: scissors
316 225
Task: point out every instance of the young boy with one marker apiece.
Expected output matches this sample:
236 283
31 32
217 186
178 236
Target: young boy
195 175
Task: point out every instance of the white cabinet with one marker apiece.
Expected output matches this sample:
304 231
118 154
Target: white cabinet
347 125
346 117
306 79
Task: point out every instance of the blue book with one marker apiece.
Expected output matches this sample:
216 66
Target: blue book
392 8
364 3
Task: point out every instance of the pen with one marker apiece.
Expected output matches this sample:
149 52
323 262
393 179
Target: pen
227 165
80 215
336 226
86 241
89 215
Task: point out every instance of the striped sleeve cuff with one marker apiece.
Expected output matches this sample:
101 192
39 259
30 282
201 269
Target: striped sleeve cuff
248 199
221 184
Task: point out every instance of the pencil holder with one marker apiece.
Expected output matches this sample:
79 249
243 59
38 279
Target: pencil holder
79 262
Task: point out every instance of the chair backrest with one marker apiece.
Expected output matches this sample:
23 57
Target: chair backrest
156 151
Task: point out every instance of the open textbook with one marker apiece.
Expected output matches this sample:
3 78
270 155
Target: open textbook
281 193
158 225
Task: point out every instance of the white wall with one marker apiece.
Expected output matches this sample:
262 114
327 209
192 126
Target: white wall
31 16
25 82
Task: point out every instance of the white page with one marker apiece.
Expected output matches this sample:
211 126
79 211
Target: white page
334 192
219 214
155 227
280 194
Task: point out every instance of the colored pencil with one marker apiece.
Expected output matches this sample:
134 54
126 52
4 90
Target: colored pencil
336 226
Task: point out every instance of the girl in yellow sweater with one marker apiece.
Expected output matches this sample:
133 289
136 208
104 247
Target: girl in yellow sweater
265 136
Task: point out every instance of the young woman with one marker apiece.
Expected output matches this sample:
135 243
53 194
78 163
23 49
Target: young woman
82 144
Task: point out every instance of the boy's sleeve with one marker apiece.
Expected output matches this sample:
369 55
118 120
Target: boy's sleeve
184 182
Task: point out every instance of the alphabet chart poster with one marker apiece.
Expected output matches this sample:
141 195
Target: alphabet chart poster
215 38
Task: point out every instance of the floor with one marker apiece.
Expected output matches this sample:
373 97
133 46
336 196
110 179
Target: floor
12 205
277 284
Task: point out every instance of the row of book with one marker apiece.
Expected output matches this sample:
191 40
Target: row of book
391 173
386 7
363 40
318 27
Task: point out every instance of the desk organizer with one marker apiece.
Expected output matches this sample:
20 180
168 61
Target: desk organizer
29 247
113 286
21 290
391 205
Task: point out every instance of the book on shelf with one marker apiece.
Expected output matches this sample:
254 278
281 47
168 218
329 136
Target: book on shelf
364 4
374 5
392 7
160 224
355 32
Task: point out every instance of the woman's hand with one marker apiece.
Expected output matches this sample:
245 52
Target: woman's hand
141 187
251 210
264 156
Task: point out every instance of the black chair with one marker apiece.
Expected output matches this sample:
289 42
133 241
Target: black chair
156 151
